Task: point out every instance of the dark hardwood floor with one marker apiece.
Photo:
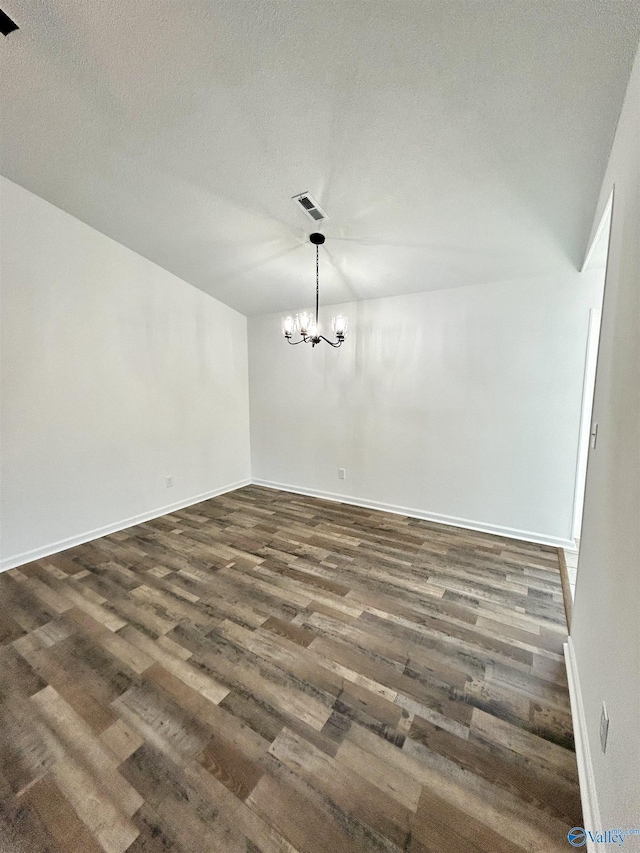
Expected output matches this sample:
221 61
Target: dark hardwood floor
271 673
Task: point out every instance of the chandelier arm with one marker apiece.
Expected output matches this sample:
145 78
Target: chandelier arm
331 343
295 343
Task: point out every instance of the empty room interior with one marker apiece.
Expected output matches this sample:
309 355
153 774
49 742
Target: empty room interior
320 426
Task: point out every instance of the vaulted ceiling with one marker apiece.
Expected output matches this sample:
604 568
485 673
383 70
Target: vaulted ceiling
451 142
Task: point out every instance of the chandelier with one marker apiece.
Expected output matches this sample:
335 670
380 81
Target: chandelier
304 322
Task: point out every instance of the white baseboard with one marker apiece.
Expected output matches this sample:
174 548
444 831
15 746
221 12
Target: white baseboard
588 794
62 544
454 521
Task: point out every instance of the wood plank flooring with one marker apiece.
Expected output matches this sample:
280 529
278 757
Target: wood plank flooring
271 673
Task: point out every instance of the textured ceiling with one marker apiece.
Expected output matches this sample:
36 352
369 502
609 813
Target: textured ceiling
450 142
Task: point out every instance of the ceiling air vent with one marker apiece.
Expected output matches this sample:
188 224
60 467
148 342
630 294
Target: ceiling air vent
310 206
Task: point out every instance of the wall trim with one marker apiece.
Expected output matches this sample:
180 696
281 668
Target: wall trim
88 536
588 794
567 598
62 544
454 521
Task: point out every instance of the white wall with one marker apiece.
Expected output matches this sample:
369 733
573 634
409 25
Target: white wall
605 627
461 405
115 375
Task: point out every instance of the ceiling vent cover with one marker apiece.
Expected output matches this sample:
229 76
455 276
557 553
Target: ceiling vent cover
310 206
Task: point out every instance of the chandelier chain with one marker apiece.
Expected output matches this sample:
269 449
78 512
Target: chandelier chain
317 283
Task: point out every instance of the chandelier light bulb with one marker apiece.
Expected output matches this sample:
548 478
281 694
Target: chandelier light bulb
304 322
339 325
288 325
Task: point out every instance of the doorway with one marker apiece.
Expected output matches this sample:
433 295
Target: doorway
596 259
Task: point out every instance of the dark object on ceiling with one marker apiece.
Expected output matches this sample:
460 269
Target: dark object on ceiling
6 24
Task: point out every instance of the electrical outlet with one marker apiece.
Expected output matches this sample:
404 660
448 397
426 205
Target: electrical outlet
169 482
342 474
604 727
